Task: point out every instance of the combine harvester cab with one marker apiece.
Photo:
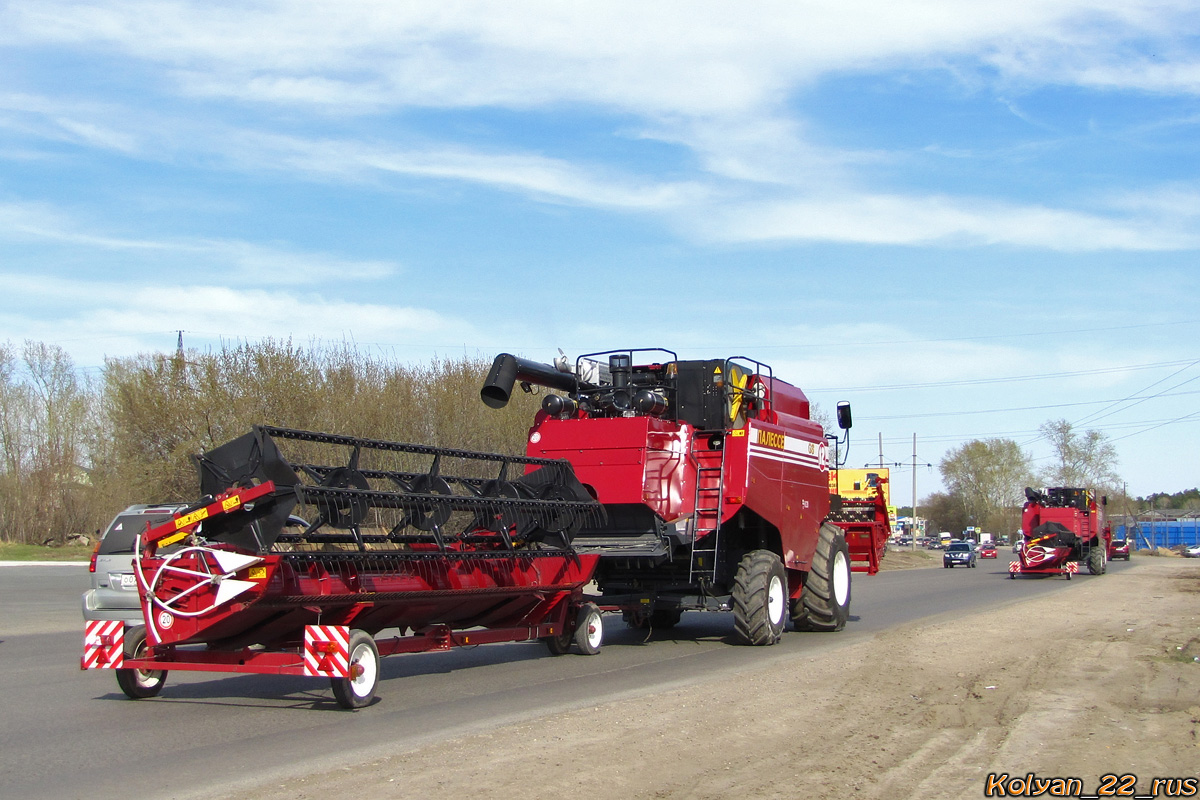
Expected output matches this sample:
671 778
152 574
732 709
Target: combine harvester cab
1062 528
398 544
715 482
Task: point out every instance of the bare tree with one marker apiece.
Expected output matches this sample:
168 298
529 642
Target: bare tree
1081 458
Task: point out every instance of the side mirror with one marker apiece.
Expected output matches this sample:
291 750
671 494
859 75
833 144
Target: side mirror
843 415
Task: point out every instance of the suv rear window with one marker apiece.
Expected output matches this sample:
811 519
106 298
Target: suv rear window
120 536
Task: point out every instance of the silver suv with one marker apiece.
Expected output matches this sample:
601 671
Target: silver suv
114 592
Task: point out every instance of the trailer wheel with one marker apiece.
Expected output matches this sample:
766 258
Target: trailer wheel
759 598
359 689
136 683
589 629
824 605
560 645
1097 561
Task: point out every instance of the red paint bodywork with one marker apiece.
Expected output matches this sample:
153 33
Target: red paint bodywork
776 464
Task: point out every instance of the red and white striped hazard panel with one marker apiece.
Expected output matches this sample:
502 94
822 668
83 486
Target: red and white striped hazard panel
103 645
327 651
1073 567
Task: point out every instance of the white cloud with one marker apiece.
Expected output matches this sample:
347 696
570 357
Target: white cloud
94 319
221 259
692 58
915 220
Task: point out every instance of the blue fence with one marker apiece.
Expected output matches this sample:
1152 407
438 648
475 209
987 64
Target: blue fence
1164 534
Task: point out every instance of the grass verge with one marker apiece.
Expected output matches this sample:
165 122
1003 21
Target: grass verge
10 551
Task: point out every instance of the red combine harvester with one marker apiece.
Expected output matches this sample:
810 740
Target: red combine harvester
674 485
439 560
714 479
1061 528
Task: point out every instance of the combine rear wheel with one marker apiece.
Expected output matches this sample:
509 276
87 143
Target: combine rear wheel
824 605
759 598
359 689
136 683
1097 561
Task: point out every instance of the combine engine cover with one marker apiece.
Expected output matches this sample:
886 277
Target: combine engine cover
1062 528
703 466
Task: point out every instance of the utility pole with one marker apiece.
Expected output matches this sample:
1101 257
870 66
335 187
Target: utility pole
914 504
881 449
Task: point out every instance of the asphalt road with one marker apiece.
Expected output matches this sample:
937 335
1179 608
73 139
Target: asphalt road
67 733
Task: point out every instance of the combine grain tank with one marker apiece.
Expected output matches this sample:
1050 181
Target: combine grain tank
1062 528
714 479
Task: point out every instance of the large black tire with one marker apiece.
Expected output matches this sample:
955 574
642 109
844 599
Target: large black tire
824 605
358 690
759 598
135 683
1097 561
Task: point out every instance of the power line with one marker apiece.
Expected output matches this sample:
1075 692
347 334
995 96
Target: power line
1008 379
940 414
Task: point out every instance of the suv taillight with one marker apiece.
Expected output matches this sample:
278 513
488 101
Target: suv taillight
92 563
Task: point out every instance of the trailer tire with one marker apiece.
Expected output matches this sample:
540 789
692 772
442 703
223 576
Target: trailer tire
135 683
589 629
1097 561
759 598
824 603
358 690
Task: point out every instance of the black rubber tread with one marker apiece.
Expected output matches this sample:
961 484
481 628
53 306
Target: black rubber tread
136 684
816 609
752 624
560 645
343 689
1096 561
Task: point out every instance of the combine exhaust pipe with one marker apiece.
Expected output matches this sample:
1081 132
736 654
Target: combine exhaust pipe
508 369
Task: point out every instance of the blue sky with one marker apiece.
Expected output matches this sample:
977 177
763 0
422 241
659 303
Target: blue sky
967 218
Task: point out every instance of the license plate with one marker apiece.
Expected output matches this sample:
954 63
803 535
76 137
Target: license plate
128 581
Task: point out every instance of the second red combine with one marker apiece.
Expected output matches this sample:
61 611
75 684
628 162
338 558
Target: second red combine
1061 528
715 482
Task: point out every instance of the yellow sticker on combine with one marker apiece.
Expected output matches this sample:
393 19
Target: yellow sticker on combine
188 519
230 503
257 574
170 540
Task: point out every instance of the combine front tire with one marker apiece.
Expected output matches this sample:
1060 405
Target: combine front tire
359 689
824 605
136 683
759 598
1097 561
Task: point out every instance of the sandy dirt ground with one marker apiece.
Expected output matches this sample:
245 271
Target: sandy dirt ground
1100 679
